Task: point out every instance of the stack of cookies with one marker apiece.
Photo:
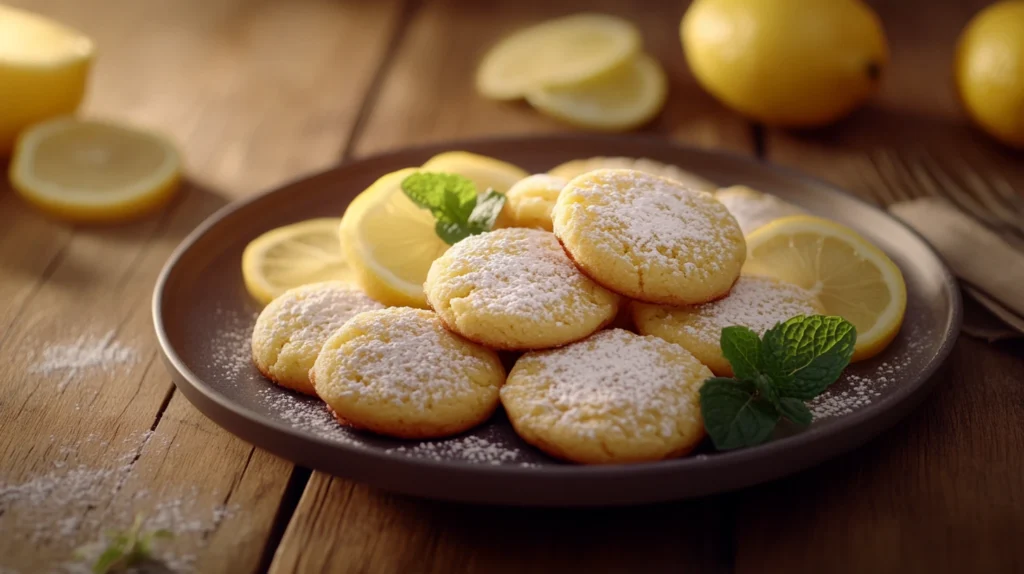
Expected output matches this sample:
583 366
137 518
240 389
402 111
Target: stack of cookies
607 247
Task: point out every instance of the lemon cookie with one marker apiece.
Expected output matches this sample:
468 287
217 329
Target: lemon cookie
648 237
291 329
571 169
399 372
753 208
614 397
529 202
755 302
515 289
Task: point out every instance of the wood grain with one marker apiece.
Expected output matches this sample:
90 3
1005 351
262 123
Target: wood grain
427 95
941 491
229 80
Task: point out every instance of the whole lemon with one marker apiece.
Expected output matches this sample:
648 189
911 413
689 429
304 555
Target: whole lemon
989 70
791 63
44 69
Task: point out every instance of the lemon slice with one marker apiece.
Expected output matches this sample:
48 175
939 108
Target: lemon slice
484 171
850 276
624 98
559 52
89 171
292 256
44 68
390 242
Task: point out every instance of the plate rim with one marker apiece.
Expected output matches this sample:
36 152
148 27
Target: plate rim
848 425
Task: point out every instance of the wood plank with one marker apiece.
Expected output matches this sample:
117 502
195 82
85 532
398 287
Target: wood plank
941 491
255 93
339 526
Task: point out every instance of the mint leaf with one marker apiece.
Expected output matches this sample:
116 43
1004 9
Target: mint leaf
795 410
766 388
742 348
734 415
486 211
108 559
447 195
804 355
451 232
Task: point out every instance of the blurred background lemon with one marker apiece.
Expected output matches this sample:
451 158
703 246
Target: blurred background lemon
788 63
44 68
989 70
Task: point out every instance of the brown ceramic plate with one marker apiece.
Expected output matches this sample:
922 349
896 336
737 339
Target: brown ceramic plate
203 318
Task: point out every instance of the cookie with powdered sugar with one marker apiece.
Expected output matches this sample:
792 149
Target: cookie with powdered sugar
615 397
399 372
758 303
649 238
515 289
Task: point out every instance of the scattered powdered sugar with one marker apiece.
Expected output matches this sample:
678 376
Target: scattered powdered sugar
656 224
307 414
75 503
612 379
231 344
519 274
752 208
86 352
474 449
755 302
403 359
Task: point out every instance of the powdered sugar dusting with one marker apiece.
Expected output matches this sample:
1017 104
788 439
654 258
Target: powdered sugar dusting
86 352
656 223
231 344
403 358
640 385
519 274
758 303
307 414
473 449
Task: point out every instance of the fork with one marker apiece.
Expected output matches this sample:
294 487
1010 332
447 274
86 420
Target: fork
992 202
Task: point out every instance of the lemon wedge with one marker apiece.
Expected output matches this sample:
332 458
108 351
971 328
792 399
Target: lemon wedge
390 242
850 276
292 256
620 99
89 171
44 68
559 52
484 171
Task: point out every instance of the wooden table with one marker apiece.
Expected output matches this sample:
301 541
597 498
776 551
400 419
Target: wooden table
258 92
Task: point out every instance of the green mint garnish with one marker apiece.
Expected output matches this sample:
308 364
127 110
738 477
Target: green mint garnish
121 550
795 361
453 201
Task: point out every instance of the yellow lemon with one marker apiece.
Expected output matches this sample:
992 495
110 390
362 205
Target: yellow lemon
292 256
44 67
785 62
559 52
92 171
989 70
850 276
390 242
485 172
623 98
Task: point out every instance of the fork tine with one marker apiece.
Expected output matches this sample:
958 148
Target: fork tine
931 174
891 175
867 172
1004 211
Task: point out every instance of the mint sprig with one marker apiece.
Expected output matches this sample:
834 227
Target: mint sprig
452 200
795 361
122 549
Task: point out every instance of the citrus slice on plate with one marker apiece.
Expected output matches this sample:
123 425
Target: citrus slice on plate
623 98
484 171
390 242
90 171
44 69
292 256
850 276
559 52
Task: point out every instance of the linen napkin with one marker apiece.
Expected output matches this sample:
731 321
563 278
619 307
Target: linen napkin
975 254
